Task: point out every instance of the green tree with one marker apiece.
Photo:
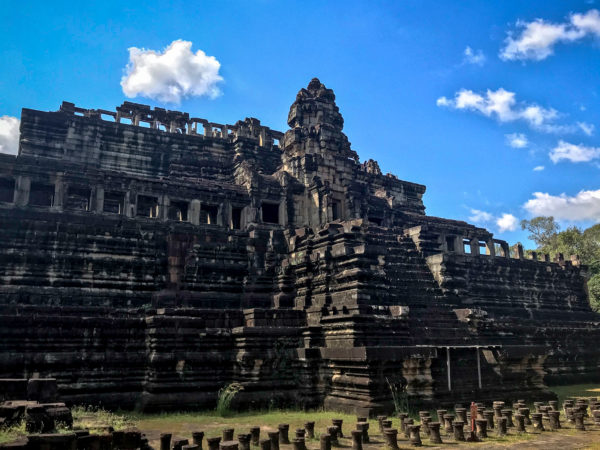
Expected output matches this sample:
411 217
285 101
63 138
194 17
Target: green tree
542 229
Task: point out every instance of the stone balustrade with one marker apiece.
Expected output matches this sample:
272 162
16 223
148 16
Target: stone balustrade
137 114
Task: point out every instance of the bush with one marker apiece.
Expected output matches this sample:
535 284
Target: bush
226 396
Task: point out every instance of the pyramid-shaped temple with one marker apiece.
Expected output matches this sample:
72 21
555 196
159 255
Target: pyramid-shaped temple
150 258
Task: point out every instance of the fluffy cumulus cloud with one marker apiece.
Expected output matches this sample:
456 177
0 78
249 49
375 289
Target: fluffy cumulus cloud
172 74
479 216
507 222
538 168
9 135
581 207
573 152
504 222
471 56
536 40
502 105
517 140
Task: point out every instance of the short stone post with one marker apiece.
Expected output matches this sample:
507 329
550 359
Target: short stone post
386 424
228 434
553 404
520 420
402 416
459 430
189 447
425 421
414 435
363 427
481 428
461 414
434 433
228 445
448 419
265 444
255 433
380 419
361 419
338 423
554 419
596 414
213 443
440 414
197 437
356 440
165 441
525 413
298 444
536 420
537 406
274 438
391 437
497 407
578 416
310 430
407 422
501 425
333 434
489 416
325 442
244 440
284 429
508 414
300 433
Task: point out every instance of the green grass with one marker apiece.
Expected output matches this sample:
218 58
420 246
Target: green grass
575 390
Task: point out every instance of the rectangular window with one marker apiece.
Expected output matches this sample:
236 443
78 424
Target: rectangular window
236 218
335 210
450 243
270 212
147 206
466 246
41 194
483 250
78 199
114 202
7 190
178 211
208 214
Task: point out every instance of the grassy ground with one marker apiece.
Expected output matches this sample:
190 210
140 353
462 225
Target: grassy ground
182 424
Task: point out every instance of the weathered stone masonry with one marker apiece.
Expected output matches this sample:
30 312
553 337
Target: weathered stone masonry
149 258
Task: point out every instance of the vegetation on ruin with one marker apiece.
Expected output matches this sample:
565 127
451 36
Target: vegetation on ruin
225 398
546 234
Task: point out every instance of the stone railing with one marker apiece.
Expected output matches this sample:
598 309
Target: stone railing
469 243
179 122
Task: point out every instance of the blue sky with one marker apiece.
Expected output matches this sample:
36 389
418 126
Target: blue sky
412 95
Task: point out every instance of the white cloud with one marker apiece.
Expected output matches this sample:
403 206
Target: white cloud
583 206
171 75
502 105
479 216
9 135
537 39
573 152
538 168
473 56
587 128
507 222
517 140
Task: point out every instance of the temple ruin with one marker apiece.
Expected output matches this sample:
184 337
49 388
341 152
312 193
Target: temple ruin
150 258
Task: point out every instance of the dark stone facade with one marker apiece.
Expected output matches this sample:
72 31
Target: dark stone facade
152 262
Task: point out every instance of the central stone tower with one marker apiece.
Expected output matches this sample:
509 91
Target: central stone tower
317 153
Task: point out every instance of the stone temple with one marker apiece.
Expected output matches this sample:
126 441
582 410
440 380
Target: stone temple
149 258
